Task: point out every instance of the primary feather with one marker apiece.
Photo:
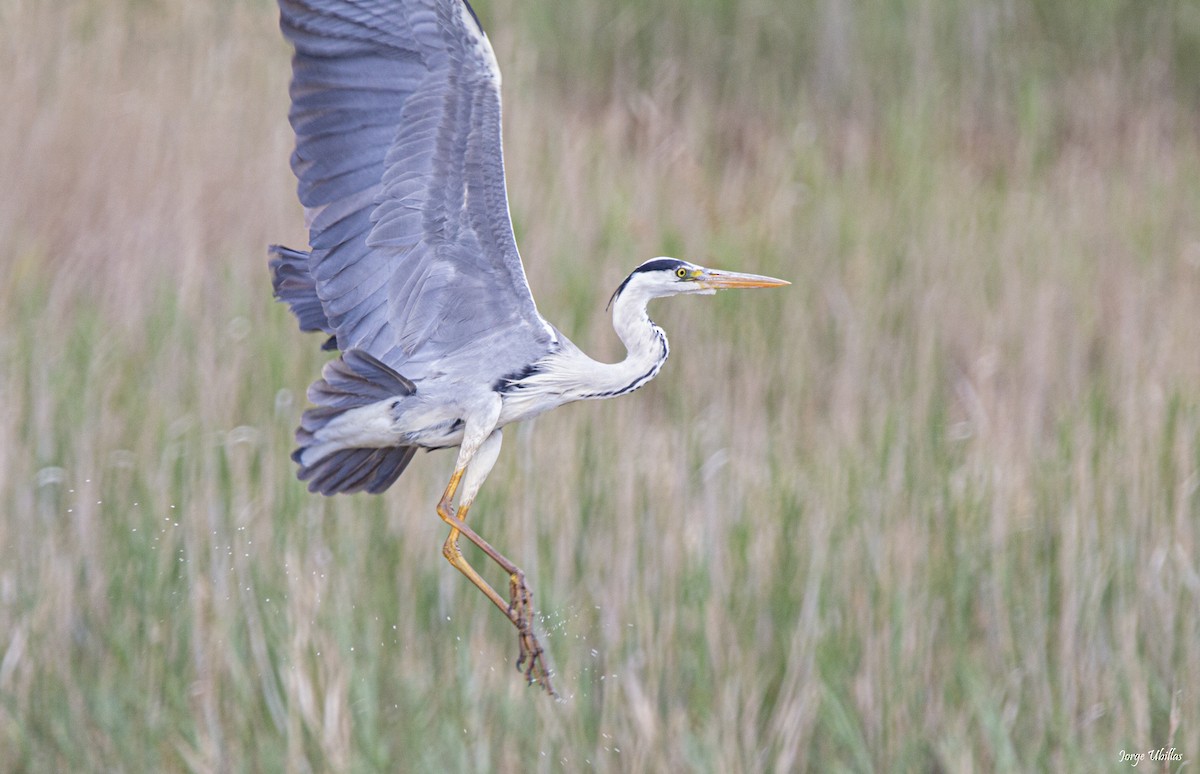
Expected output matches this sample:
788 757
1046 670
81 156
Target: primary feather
396 110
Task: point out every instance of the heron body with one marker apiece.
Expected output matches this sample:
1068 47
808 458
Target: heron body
414 272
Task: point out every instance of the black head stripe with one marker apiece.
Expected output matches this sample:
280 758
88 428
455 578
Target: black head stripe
658 264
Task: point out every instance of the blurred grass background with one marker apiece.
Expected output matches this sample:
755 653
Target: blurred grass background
932 508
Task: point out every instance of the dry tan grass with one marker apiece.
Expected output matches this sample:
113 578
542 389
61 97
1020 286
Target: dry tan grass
932 508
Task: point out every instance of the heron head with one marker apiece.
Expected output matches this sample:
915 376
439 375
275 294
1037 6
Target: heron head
670 277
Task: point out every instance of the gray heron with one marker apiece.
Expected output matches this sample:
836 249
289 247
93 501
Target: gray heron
413 270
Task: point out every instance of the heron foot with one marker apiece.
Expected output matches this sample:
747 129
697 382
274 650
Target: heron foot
530 655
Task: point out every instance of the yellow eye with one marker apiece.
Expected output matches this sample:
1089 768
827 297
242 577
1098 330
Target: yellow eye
681 273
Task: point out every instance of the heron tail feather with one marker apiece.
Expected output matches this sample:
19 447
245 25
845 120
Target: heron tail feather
356 470
358 378
341 449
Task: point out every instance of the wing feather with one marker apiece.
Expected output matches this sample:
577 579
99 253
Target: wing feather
396 110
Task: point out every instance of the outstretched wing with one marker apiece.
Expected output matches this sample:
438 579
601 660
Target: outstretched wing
396 109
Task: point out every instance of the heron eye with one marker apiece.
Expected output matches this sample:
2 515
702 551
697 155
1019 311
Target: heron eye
681 273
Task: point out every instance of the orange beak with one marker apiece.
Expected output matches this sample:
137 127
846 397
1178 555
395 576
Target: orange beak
719 280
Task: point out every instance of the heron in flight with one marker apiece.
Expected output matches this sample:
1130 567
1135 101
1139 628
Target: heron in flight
414 273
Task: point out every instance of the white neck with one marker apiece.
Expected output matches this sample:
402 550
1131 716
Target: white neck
572 375
645 344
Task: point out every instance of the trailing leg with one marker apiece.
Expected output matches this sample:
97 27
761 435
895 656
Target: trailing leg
519 608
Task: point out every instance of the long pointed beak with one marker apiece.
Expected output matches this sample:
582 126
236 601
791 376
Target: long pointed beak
717 280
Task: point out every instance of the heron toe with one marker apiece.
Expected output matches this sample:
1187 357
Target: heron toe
530 659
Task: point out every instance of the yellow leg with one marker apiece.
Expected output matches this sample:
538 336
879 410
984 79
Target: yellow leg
519 608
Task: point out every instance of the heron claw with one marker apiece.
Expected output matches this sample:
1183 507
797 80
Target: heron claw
529 659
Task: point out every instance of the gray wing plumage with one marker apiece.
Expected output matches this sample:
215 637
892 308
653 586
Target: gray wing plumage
396 110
